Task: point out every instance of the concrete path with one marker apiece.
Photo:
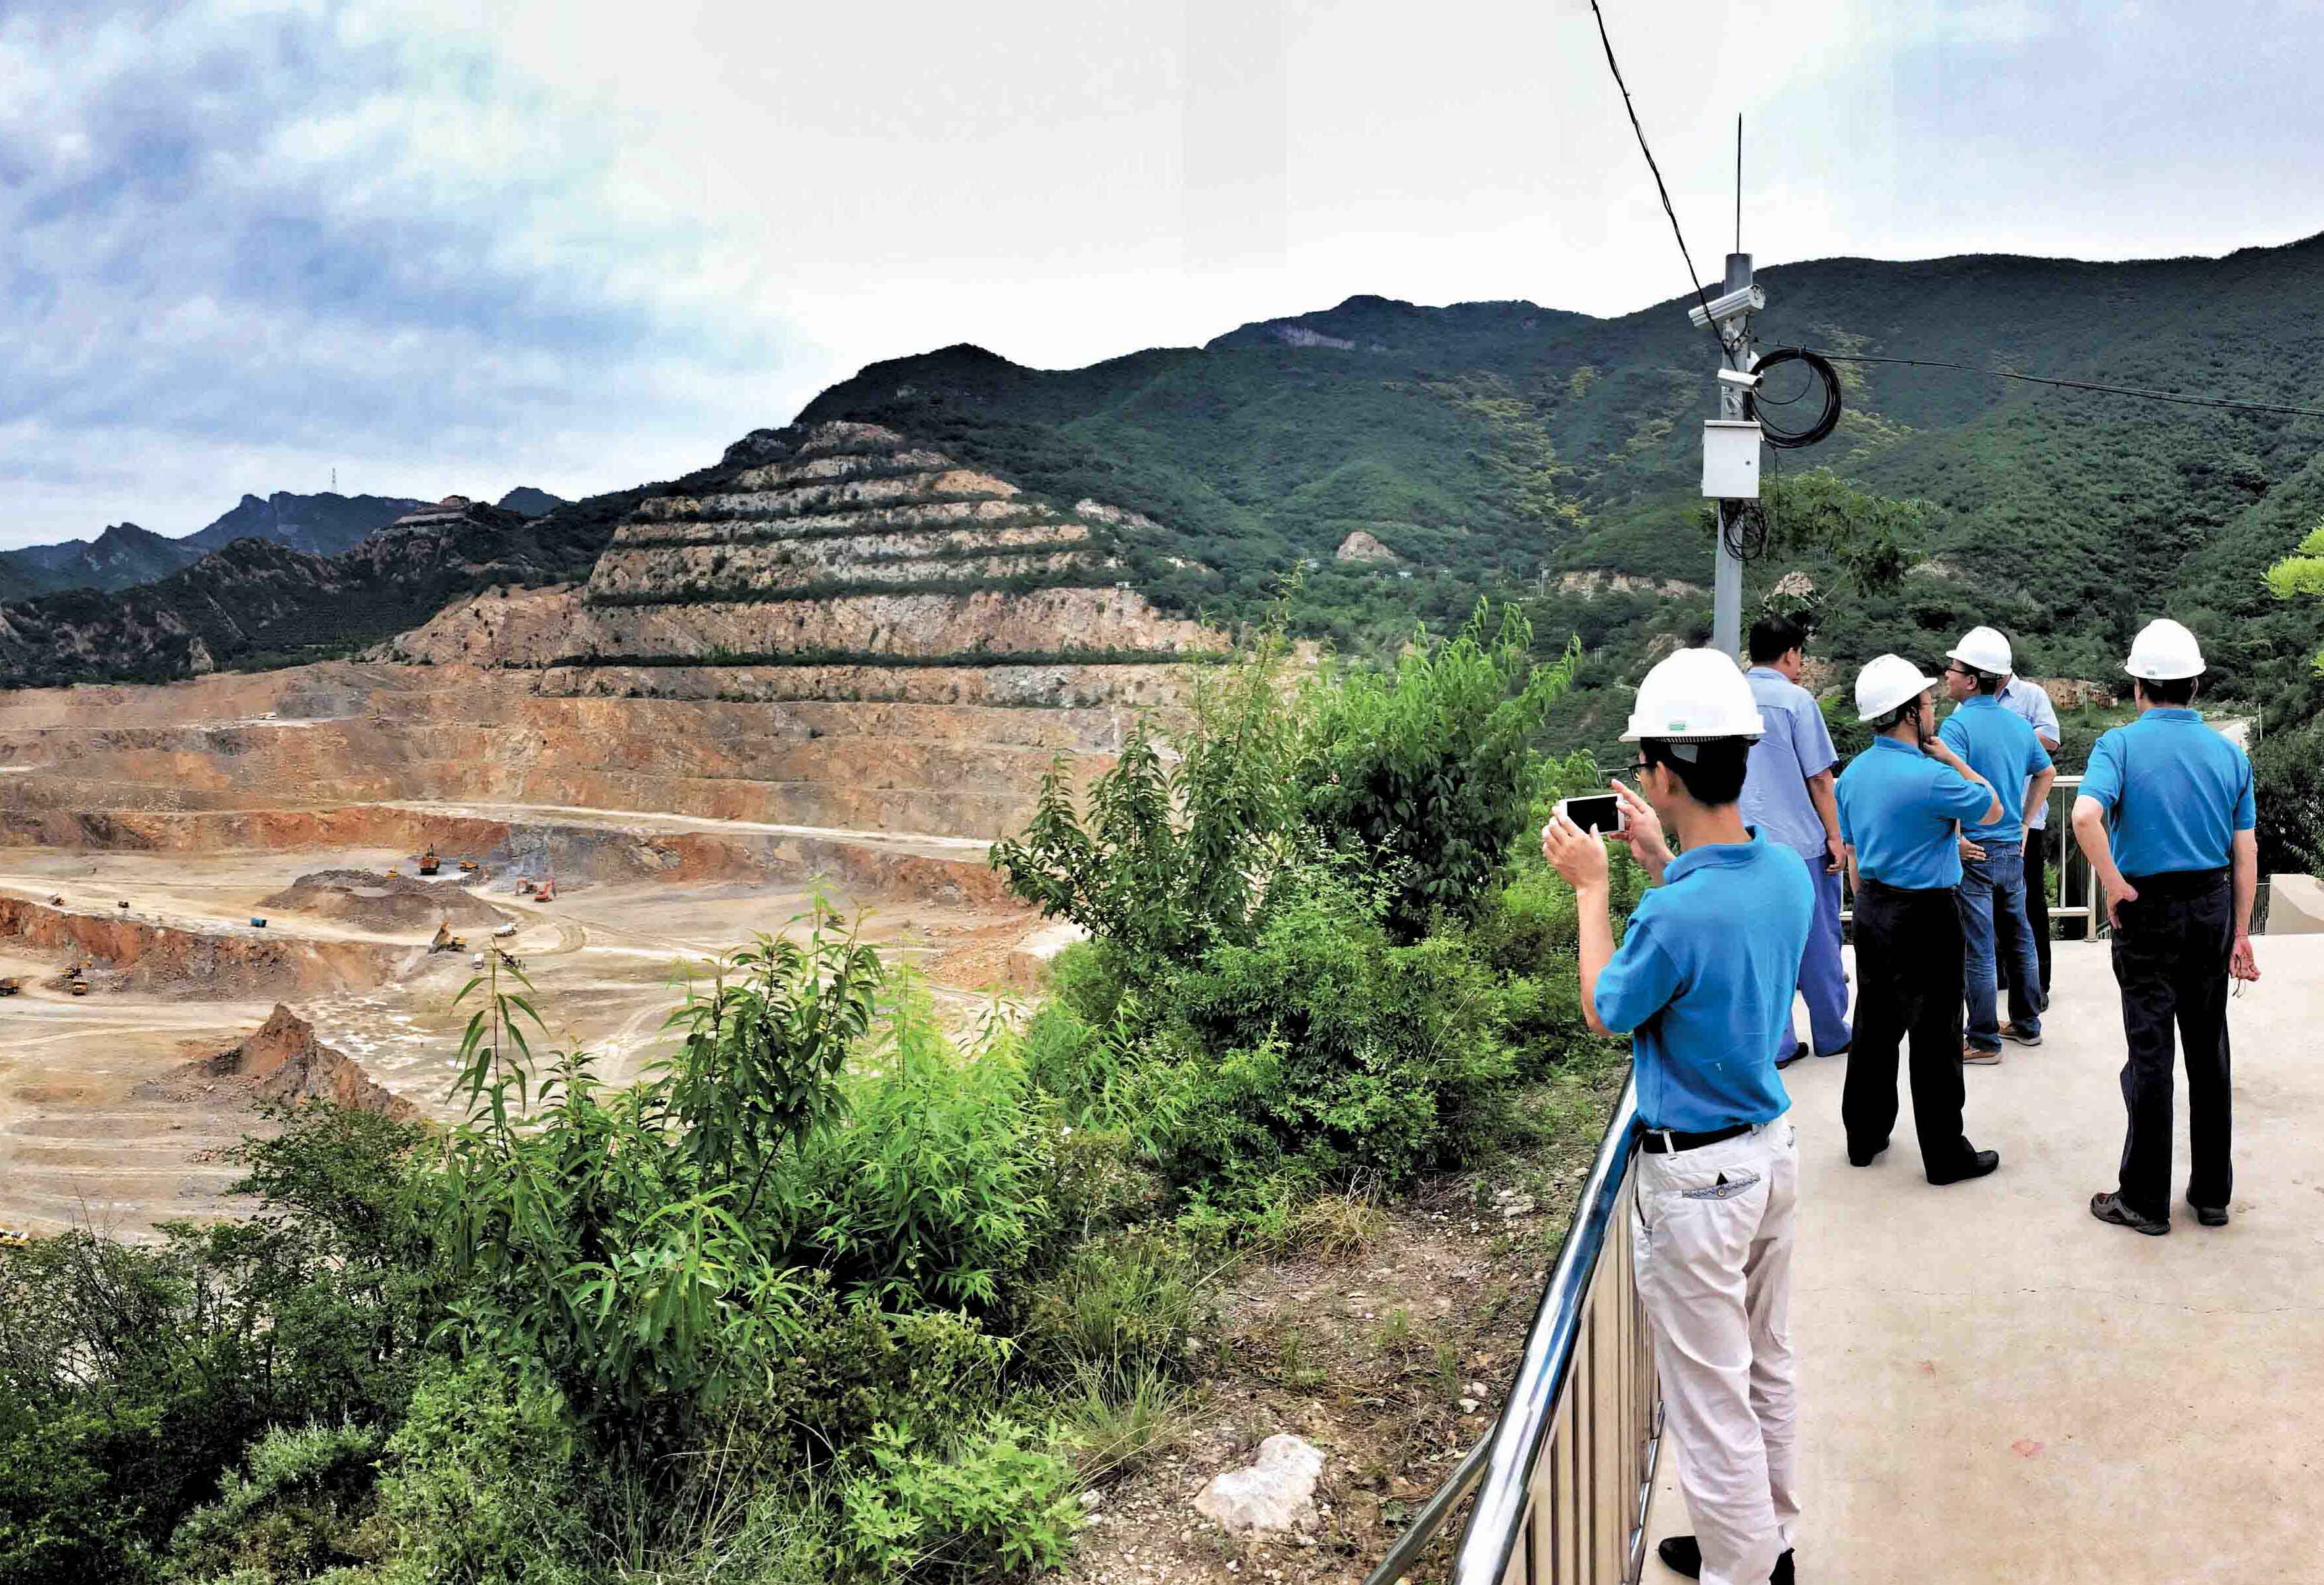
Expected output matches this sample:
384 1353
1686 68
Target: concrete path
1995 1387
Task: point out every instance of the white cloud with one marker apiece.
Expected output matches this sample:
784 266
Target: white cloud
582 244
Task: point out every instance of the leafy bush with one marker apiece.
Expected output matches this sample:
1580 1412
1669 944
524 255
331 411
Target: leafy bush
994 1501
1169 859
1328 1053
290 1513
931 1195
1428 772
485 1483
2288 775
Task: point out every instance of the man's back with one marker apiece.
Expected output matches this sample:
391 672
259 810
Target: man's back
1999 746
2174 791
1795 745
1705 976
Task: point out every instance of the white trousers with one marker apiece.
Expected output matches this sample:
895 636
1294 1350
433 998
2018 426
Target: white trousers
1713 1239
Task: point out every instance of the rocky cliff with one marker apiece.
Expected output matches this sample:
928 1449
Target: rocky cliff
204 962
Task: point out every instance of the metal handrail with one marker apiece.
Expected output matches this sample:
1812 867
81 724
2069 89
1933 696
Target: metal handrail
1505 1464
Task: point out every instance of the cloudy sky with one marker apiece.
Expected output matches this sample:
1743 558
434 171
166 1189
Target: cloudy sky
461 244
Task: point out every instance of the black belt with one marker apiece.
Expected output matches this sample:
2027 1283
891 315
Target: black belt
1667 1141
2177 885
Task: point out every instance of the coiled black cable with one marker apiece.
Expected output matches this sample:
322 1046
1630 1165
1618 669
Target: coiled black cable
1788 440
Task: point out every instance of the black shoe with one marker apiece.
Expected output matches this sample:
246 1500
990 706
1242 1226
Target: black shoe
1976 1164
2109 1207
1681 1555
1797 1052
1863 1158
2210 1216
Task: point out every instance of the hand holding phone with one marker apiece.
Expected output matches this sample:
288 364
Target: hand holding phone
1599 814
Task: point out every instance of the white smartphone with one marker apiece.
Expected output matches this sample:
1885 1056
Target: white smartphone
1596 814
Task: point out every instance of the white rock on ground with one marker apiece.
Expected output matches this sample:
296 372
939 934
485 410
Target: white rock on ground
1276 1494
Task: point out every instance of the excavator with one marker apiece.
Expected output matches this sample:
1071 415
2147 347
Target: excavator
78 984
428 865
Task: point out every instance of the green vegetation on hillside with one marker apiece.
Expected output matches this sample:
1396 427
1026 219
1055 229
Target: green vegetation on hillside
832 1295
1494 447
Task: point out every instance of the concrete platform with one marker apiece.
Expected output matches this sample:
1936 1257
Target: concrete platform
1995 1387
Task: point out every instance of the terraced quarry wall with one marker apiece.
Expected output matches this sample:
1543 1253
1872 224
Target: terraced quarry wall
848 632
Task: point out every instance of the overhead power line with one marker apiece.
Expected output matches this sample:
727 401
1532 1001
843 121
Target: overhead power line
2180 398
1615 67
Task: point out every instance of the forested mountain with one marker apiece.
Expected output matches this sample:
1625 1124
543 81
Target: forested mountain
258 602
529 502
125 555
122 555
320 525
1505 447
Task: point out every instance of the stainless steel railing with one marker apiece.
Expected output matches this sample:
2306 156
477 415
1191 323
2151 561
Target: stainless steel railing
1563 1477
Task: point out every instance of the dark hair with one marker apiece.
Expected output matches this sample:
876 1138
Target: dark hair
1713 776
2167 690
1773 637
1986 681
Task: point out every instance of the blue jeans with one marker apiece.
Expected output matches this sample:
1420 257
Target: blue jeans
1822 981
1993 904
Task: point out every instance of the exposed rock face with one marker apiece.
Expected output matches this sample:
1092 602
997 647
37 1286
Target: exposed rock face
284 1061
1275 1494
2072 692
219 962
1360 546
1597 581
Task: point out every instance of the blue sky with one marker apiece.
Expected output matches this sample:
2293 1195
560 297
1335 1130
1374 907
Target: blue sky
461 246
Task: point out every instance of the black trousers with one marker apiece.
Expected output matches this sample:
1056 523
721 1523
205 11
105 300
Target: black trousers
2171 961
1908 980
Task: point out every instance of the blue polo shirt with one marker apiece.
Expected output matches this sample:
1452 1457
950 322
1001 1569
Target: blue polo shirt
1703 984
1794 746
1897 807
1999 744
2174 791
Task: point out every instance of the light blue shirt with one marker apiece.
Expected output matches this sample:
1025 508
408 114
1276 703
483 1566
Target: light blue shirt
1897 807
2174 791
2033 702
1795 745
1703 984
2001 748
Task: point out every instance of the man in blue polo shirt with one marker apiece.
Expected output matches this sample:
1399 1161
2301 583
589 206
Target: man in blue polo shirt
1787 800
2005 751
1900 804
1702 984
2165 816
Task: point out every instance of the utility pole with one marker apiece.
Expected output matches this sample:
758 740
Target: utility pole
1730 443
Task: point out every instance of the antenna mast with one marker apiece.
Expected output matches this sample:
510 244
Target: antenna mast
1738 182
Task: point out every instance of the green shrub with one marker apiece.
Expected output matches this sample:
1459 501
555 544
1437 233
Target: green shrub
856 1366
1429 771
1329 1054
931 1194
993 1501
485 1483
289 1514
2288 775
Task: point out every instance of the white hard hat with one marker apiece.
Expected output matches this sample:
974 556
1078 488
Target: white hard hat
1694 696
2164 652
1985 649
1885 683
